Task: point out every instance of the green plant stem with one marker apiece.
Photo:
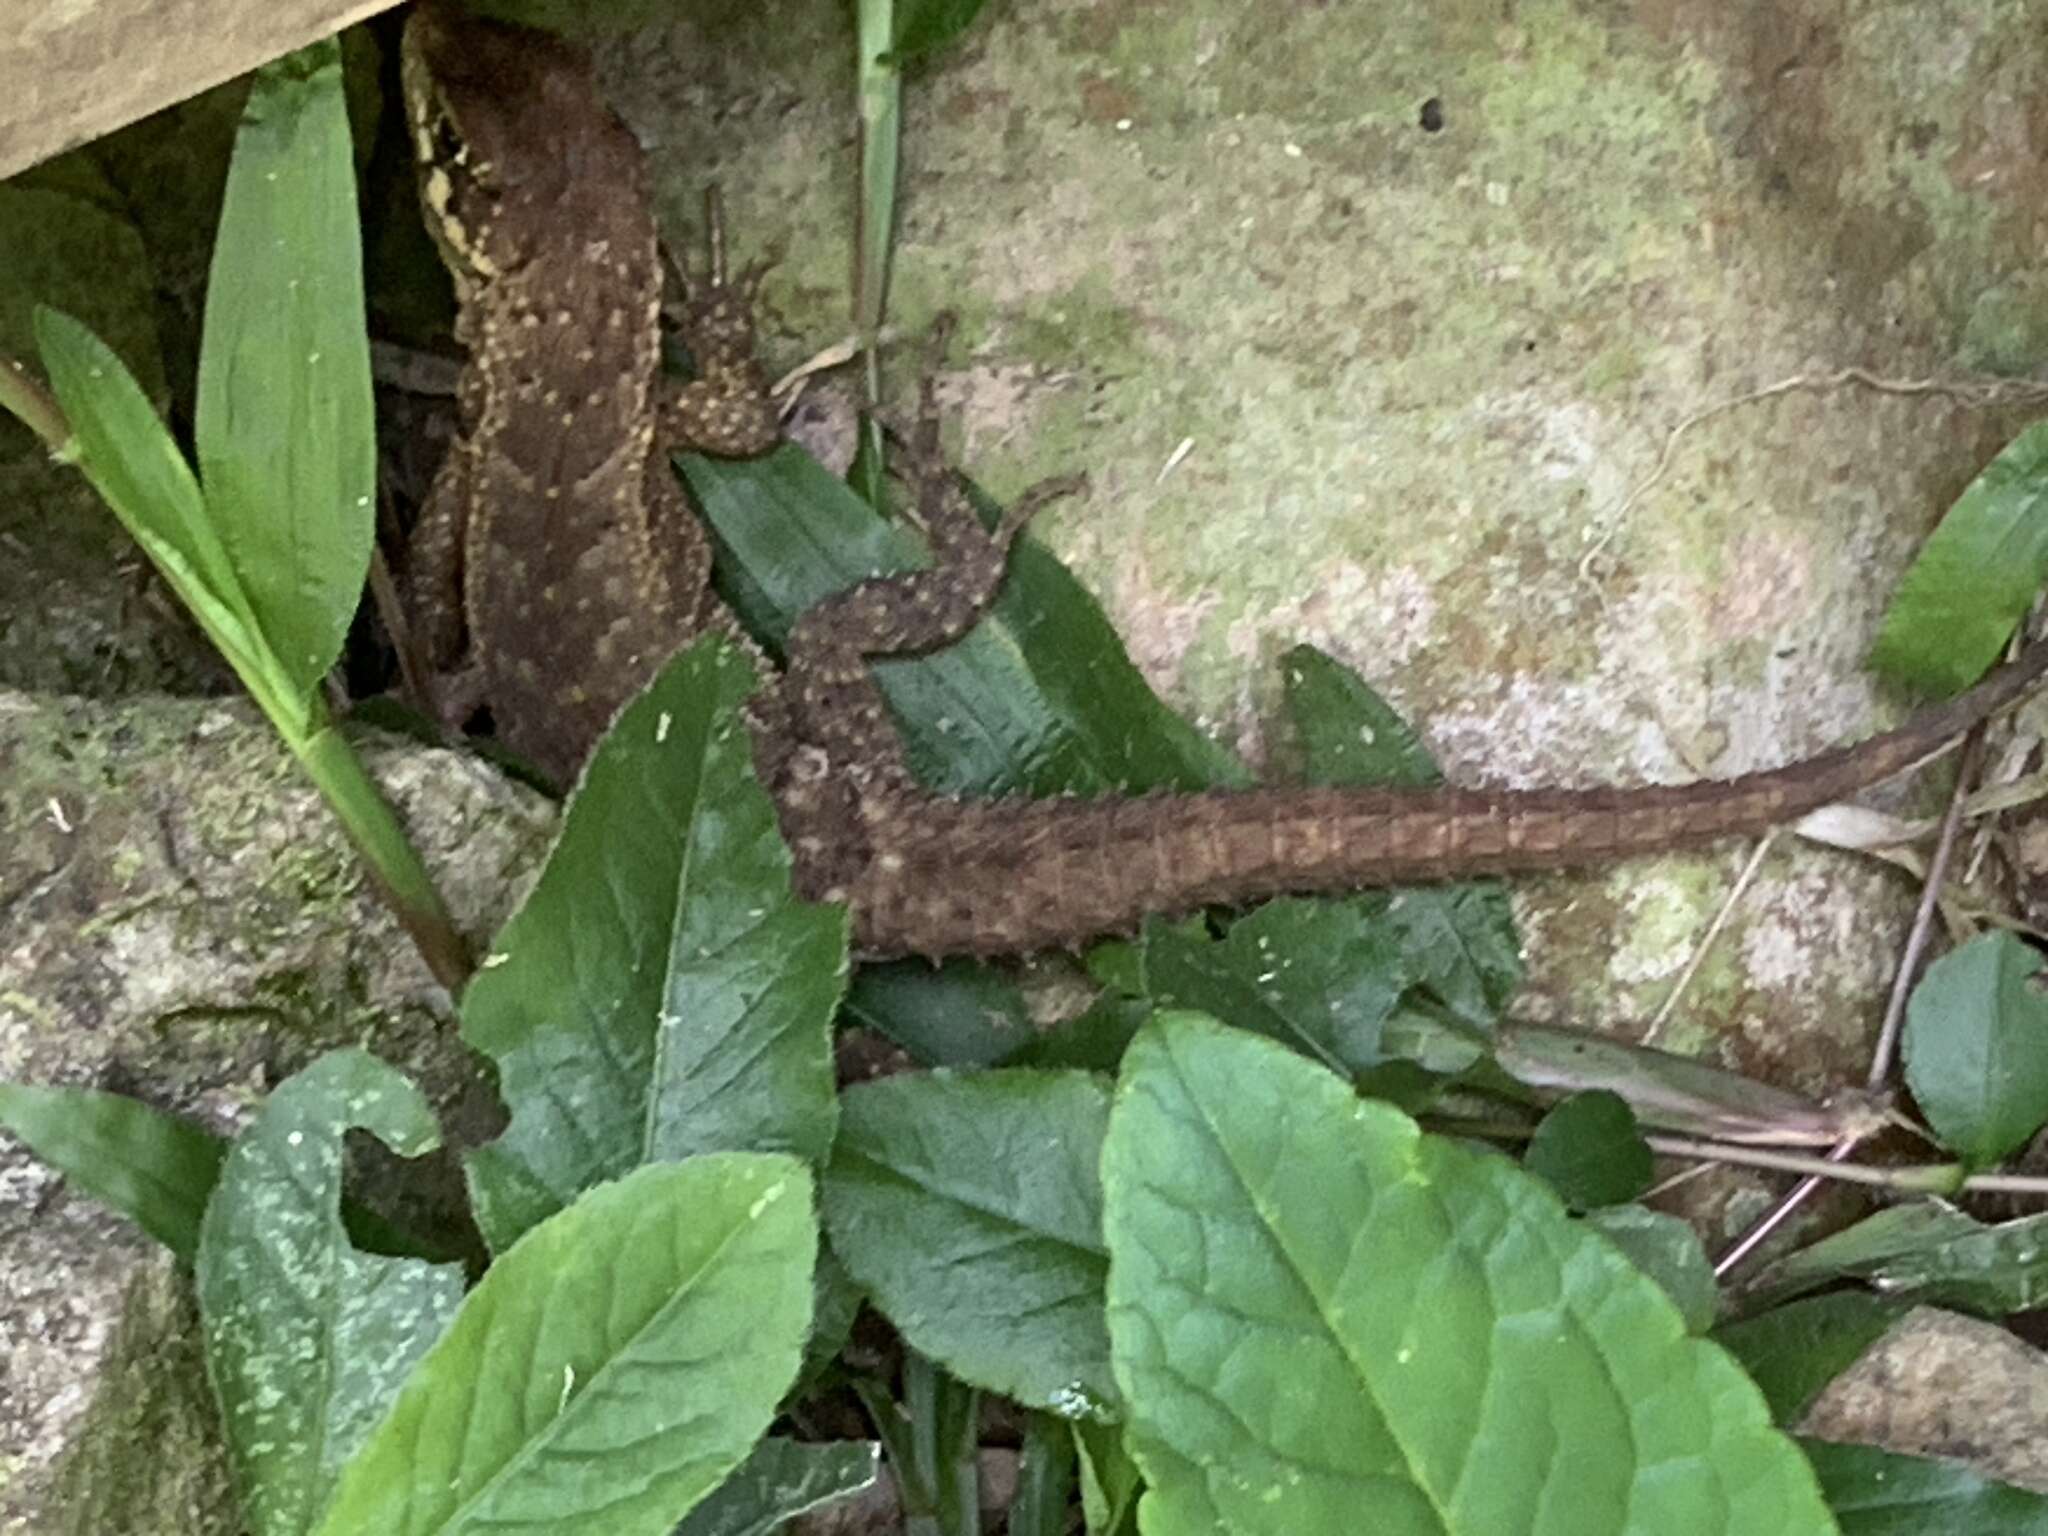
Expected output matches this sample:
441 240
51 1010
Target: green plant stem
32 405
880 86
393 863
1924 1178
1920 1178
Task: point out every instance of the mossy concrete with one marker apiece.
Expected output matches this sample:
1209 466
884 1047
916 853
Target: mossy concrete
185 921
1339 378
1335 376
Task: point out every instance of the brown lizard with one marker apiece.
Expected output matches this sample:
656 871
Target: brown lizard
560 537
557 563
936 875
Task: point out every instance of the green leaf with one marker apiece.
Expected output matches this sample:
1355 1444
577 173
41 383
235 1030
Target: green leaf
125 450
1589 1150
610 1370
956 1014
1793 1351
1040 698
1930 1253
1314 1309
930 1441
1091 1041
867 476
307 1339
781 1480
1346 732
154 1168
1880 1493
283 420
661 993
1045 1479
1319 976
1110 1483
878 96
1976 1047
1459 941
1974 577
925 26
989 1181
1668 1251
835 1303
1665 1089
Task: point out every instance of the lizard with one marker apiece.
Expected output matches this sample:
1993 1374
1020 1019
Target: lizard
556 561
561 548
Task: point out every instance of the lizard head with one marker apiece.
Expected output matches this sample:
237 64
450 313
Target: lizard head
513 146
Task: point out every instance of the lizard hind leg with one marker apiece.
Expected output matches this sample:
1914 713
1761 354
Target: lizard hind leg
833 699
968 558
845 794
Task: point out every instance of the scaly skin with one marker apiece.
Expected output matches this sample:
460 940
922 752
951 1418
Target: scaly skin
559 566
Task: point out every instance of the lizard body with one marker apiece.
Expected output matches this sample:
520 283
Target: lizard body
557 562
560 545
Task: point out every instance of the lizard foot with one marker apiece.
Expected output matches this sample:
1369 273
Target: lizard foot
726 411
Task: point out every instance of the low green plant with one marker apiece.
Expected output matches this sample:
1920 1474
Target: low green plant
1227 1287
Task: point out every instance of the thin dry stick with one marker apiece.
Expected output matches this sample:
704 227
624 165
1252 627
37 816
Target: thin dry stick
1706 943
1895 1008
1928 1178
1977 394
1968 766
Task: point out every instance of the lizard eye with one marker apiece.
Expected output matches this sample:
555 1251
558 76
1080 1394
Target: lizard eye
447 147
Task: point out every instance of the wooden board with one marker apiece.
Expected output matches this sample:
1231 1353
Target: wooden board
71 70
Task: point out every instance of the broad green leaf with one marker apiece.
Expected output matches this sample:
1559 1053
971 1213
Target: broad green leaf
611 1369
283 422
989 1182
1668 1251
1347 733
1319 976
1589 1150
1092 1041
661 993
1315 1310
1459 941
1879 1493
154 1168
1974 577
307 1339
781 1480
1045 1479
1928 1252
1976 1047
956 1014
1792 1352
1039 698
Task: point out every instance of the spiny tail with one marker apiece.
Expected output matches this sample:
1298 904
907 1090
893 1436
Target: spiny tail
1011 876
